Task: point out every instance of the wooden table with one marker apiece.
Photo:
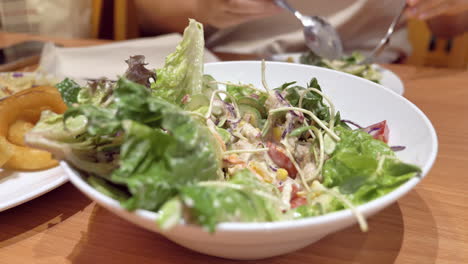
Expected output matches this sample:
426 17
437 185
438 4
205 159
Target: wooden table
429 225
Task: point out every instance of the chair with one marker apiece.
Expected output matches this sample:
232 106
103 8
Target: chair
122 21
96 18
429 50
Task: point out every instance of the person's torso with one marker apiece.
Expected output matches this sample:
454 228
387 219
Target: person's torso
360 23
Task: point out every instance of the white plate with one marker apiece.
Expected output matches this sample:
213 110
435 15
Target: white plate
389 78
19 187
365 103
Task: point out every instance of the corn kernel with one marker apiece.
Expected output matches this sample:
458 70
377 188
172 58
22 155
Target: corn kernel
277 132
281 174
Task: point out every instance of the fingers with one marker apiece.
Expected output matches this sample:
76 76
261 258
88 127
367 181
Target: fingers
426 9
226 13
426 6
413 2
441 9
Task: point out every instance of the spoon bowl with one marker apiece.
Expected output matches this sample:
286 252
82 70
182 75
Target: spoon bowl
319 35
322 38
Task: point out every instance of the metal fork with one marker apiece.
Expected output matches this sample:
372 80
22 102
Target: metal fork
385 40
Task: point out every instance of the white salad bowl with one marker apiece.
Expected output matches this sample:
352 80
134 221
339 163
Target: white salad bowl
357 99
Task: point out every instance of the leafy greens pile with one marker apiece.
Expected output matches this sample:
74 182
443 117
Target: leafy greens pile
169 141
348 64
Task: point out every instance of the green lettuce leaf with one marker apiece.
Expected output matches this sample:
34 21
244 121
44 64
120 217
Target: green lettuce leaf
209 85
140 142
69 90
240 199
103 186
68 139
348 64
183 70
311 101
100 121
239 92
323 204
96 92
311 58
156 162
364 168
163 148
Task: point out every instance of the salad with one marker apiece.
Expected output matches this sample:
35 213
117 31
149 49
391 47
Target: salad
348 64
14 82
170 141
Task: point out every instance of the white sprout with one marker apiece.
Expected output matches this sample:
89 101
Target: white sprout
266 126
245 151
314 152
221 184
211 126
196 114
109 100
320 162
293 161
265 84
305 120
332 106
210 108
239 135
286 194
360 218
238 85
380 164
315 118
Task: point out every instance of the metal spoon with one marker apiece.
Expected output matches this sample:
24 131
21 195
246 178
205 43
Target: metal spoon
320 36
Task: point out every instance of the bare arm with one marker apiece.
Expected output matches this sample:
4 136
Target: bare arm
162 16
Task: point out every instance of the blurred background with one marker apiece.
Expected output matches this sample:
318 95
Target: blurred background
439 42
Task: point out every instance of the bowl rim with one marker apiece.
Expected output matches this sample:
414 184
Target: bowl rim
366 208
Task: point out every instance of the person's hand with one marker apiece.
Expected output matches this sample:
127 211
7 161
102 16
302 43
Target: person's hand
226 13
427 9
